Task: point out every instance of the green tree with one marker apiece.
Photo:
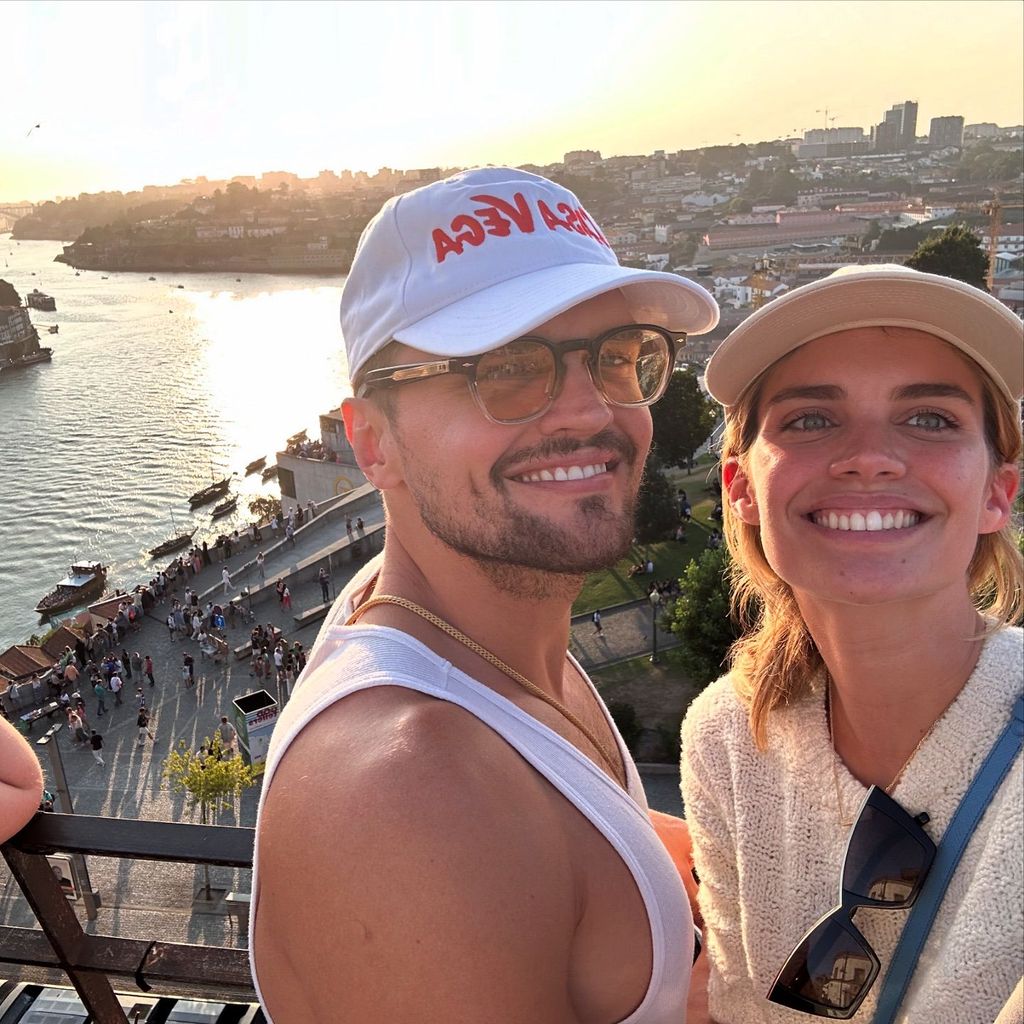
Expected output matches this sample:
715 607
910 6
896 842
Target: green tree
264 509
954 253
700 616
683 419
656 512
209 780
9 294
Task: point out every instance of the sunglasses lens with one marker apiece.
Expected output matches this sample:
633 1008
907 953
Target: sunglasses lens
633 365
885 862
832 969
515 381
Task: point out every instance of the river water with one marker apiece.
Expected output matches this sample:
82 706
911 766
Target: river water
153 387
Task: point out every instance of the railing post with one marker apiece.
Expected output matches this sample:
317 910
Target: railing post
62 929
49 742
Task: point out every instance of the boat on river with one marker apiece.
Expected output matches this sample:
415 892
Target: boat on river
210 493
40 300
172 544
255 464
40 355
224 507
84 580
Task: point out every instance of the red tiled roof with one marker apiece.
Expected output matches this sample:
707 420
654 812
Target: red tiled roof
63 636
21 660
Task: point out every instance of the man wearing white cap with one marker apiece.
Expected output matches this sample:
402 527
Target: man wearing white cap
480 848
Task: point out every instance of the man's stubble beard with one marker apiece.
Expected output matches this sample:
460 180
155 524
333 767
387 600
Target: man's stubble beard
526 554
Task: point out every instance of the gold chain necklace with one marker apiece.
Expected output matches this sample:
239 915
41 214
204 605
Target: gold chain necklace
615 764
835 754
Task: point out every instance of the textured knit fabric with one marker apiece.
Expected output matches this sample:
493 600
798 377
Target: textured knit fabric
769 848
347 659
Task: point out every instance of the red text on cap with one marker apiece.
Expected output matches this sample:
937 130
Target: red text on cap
498 217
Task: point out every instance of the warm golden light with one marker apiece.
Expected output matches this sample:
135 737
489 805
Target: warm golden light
133 93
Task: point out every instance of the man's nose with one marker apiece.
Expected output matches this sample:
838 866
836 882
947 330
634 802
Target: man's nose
579 404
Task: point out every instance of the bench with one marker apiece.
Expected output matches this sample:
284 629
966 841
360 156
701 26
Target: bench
236 906
214 648
318 611
35 714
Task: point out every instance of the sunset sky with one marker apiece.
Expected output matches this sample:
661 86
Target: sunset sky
128 93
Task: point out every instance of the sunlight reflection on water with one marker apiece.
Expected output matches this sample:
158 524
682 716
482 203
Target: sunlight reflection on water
152 388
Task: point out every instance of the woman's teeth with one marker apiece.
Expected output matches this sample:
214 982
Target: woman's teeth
872 521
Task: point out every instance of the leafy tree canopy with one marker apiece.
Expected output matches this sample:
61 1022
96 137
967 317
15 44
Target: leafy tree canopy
700 616
683 419
954 253
656 513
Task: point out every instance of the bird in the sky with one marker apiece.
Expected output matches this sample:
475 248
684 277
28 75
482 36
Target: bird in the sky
32 129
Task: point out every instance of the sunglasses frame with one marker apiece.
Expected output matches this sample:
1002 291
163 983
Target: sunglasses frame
392 376
842 915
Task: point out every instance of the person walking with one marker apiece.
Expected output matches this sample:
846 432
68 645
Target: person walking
225 576
289 532
260 568
324 579
115 688
189 665
228 734
142 721
596 619
136 662
126 664
286 598
96 743
101 694
172 625
147 668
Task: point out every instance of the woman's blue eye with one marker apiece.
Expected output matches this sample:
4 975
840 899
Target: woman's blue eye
930 421
809 421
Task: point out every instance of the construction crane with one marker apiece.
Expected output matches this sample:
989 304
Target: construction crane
994 208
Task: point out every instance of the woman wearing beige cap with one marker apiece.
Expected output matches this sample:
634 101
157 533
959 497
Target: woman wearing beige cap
853 785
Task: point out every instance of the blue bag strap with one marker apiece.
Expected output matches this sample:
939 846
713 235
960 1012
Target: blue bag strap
947 855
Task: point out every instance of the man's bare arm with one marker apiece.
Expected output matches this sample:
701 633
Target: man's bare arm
412 868
21 781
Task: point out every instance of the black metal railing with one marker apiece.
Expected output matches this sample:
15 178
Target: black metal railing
91 961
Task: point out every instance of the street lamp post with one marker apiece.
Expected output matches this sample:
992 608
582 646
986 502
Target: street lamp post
48 741
655 598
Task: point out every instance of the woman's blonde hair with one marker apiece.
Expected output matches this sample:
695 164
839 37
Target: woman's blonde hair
776 660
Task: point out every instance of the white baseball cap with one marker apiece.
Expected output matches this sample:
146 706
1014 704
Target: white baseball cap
881 295
466 264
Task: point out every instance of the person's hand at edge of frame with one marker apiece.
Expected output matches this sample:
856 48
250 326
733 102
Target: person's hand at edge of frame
21 781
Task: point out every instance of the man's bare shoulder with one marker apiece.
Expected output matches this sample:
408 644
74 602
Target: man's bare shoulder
410 839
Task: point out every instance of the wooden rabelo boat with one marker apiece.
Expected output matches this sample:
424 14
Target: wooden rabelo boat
210 493
225 507
172 544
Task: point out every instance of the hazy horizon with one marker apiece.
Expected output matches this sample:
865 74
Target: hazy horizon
130 94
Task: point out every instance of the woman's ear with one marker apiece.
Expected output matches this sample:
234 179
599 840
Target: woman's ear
1002 489
369 432
736 486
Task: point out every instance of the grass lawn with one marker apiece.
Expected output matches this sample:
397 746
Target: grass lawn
659 695
614 586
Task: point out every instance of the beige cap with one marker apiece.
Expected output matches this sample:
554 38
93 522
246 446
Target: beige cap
881 295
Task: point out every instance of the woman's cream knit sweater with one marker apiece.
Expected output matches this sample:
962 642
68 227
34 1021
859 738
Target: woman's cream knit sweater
769 847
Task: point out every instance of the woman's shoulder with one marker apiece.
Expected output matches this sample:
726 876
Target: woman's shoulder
717 711
1003 654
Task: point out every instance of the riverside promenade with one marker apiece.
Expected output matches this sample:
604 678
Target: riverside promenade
165 901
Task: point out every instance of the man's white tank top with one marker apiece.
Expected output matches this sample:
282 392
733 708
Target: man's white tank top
346 659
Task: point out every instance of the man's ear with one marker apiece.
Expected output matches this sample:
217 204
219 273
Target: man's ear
736 486
369 432
1002 489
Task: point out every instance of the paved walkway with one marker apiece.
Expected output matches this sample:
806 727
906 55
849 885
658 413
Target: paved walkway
145 899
